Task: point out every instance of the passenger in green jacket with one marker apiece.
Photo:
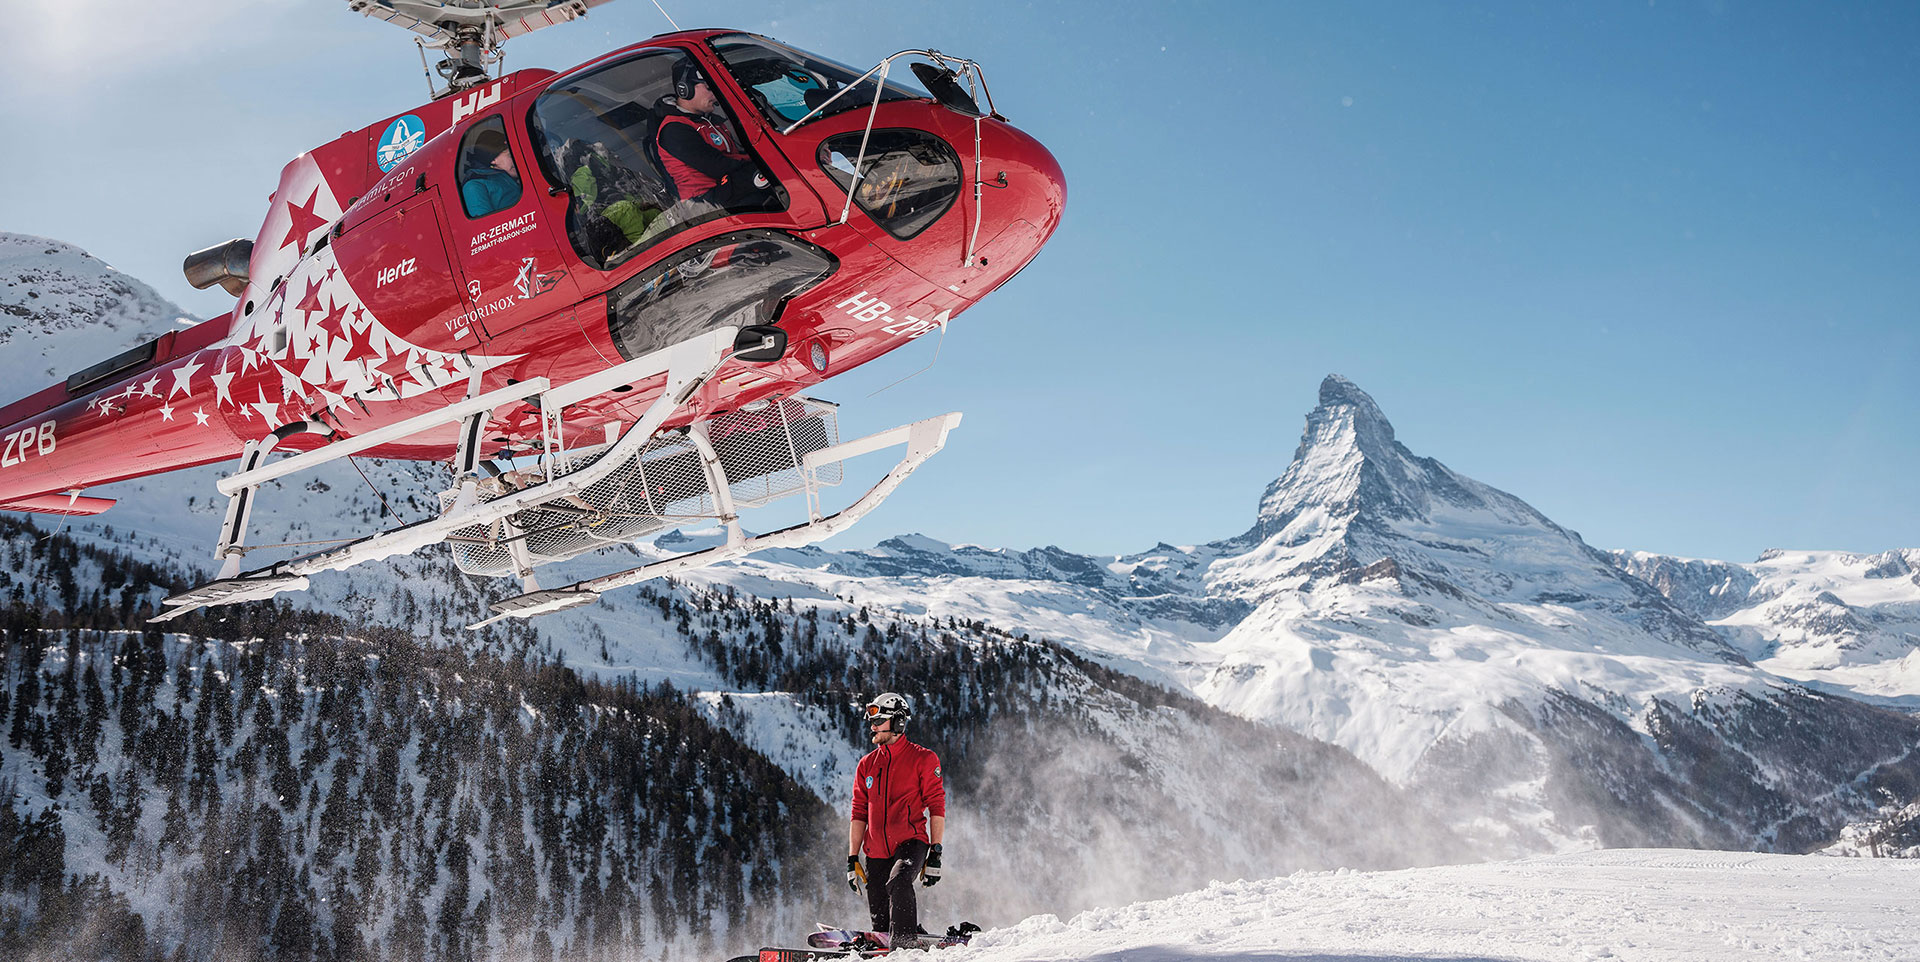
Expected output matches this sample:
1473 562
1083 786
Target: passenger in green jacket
597 183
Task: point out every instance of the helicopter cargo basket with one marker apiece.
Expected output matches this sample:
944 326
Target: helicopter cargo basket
760 449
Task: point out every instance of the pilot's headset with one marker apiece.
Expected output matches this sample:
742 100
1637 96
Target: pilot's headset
686 73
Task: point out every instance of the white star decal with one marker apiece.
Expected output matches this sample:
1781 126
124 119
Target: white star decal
182 376
290 384
147 389
269 411
200 418
222 386
166 413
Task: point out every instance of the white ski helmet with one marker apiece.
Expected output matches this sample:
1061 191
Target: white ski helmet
890 706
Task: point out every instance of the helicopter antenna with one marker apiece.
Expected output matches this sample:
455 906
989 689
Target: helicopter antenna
664 13
470 33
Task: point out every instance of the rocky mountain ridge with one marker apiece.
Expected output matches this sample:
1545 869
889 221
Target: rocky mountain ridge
1842 621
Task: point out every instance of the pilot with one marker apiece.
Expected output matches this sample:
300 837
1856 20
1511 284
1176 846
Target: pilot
492 184
698 150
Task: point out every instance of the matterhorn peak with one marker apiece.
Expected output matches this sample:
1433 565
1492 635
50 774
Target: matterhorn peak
1340 397
1348 462
1352 485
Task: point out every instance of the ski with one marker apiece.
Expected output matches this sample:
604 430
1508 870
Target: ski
828 938
776 954
875 943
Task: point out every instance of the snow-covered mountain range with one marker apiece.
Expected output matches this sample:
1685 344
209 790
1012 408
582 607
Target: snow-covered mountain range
1432 625
1379 600
62 309
1512 689
1840 621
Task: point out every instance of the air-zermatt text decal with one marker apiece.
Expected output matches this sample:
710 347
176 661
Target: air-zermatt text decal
501 232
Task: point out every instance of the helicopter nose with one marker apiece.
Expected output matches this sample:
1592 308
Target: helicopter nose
1022 200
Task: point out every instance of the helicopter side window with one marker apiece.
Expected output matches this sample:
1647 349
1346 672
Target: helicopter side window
906 181
600 136
489 183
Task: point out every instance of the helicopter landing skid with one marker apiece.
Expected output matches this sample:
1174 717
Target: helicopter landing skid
581 501
687 365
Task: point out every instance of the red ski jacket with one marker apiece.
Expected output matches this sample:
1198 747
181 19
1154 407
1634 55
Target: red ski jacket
899 786
699 154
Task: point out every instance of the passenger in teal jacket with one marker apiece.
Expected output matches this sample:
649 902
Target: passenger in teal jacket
492 183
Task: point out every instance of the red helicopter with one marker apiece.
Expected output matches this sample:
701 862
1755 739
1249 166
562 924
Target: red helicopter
599 295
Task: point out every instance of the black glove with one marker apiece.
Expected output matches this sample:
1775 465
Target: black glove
854 874
930 875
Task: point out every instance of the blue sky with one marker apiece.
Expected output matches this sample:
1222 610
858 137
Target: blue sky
1653 267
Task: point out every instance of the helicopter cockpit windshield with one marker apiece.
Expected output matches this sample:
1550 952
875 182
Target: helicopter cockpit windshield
786 83
640 162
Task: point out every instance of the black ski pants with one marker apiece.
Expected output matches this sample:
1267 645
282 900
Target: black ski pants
890 884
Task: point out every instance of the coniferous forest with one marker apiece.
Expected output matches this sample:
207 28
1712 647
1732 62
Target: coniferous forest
273 783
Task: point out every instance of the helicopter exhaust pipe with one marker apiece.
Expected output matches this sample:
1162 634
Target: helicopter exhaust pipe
223 264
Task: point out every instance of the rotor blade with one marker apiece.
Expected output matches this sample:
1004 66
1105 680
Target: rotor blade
518 23
439 19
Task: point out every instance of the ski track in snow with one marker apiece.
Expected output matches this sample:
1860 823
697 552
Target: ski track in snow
1620 904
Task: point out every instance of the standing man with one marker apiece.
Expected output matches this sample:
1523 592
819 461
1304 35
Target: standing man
899 818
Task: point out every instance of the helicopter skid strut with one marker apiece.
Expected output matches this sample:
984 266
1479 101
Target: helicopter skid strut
686 366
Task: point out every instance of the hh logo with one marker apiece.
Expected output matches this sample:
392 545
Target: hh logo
477 101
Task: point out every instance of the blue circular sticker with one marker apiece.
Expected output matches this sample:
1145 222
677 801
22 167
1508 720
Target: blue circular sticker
402 137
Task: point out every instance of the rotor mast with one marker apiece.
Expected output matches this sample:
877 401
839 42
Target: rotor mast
470 33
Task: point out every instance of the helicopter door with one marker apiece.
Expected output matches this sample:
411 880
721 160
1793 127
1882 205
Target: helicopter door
398 264
506 249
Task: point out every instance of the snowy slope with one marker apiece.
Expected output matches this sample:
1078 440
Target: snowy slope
62 309
1379 601
1625 905
1847 622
